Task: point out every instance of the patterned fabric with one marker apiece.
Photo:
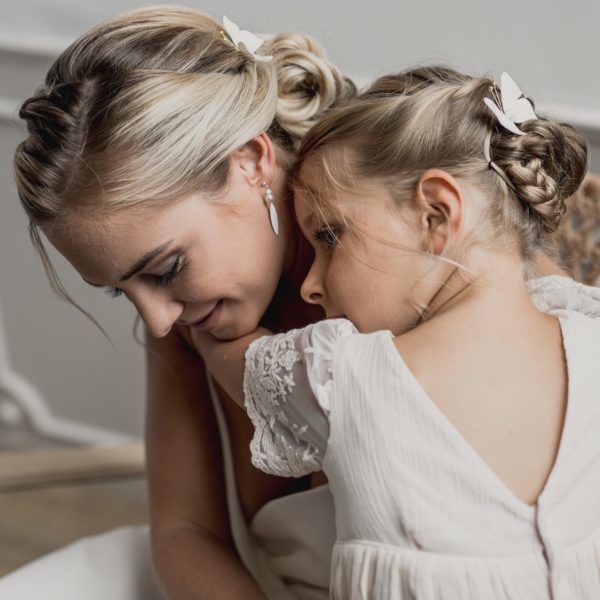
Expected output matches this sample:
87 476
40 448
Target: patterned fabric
290 437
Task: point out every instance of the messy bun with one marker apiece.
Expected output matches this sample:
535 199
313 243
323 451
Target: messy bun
545 166
308 84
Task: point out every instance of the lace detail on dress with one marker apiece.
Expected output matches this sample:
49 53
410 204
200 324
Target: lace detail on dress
556 292
279 446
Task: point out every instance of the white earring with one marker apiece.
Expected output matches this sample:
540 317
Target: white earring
268 198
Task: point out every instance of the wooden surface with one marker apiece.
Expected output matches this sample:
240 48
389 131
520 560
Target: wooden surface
43 466
47 513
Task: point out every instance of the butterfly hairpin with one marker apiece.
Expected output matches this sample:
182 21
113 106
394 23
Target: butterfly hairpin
515 107
244 40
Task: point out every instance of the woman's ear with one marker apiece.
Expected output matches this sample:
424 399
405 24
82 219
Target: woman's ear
256 160
440 205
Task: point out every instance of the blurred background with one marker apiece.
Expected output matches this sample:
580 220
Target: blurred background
551 50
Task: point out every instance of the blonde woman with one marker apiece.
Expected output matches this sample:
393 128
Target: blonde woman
157 163
161 143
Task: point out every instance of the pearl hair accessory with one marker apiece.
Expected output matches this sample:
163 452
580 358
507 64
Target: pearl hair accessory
268 198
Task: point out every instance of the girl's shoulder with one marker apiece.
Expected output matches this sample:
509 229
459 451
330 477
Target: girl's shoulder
557 292
581 333
320 340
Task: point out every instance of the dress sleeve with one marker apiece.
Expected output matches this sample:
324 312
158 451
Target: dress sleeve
287 387
558 292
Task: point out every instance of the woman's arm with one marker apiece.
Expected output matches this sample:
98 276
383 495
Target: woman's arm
225 360
193 551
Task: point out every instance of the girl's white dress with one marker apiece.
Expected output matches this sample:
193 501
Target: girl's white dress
287 545
418 513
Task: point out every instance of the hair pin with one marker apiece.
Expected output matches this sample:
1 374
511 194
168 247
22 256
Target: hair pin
245 40
515 107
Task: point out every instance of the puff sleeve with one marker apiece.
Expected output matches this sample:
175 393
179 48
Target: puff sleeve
288 381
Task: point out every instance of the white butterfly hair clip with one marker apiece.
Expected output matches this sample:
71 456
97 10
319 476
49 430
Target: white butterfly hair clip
515 107
245 40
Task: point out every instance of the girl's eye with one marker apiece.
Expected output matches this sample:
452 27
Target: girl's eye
327 235
166 278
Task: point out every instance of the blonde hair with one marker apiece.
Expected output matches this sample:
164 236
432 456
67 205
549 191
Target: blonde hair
148 106
435 117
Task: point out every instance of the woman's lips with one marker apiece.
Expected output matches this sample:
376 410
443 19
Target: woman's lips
210 320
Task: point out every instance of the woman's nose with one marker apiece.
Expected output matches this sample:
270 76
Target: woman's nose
159 313
312 288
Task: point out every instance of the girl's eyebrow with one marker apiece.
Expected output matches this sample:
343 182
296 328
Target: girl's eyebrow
309 220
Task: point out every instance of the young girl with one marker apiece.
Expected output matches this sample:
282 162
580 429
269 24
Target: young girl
457 423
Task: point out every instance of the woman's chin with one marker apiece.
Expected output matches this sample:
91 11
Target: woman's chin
232 329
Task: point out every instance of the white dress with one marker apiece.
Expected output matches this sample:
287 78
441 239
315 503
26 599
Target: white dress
419 514
287 546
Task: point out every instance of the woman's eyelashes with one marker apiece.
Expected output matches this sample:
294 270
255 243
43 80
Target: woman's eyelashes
113 292
328 235
168 276
157 280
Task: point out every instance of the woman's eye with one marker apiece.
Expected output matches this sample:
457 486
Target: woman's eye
328 236
113 292
157 280
166 278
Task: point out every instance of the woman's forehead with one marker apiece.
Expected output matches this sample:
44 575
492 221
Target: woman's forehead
99 245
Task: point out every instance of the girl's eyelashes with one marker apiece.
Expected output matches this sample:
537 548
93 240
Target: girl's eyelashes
328 235
157 280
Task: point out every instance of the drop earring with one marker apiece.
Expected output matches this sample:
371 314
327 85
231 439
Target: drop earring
268 198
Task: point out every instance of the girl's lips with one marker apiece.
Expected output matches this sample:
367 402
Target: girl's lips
211 319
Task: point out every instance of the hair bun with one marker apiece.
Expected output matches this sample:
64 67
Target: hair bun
545 166
308 83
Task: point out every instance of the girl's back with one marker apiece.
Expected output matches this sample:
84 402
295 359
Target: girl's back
497 372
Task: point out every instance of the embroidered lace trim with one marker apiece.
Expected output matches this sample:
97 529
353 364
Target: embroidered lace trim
278 446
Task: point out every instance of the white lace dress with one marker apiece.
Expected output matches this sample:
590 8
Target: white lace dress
418 513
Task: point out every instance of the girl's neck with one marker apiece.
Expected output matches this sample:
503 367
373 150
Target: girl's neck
495 284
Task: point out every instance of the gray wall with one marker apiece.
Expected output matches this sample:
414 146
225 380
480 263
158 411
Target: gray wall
551 50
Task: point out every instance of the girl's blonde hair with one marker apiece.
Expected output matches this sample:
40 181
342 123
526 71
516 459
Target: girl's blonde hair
435 117
148 106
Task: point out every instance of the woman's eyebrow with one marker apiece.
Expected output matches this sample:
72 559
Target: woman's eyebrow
142 262
139 265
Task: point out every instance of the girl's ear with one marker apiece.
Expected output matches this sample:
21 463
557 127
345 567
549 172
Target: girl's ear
440 205
256 160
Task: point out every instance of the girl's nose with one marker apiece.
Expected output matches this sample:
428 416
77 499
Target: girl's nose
159 312
312 290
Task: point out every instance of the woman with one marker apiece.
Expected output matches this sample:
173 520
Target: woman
156 163
159 127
